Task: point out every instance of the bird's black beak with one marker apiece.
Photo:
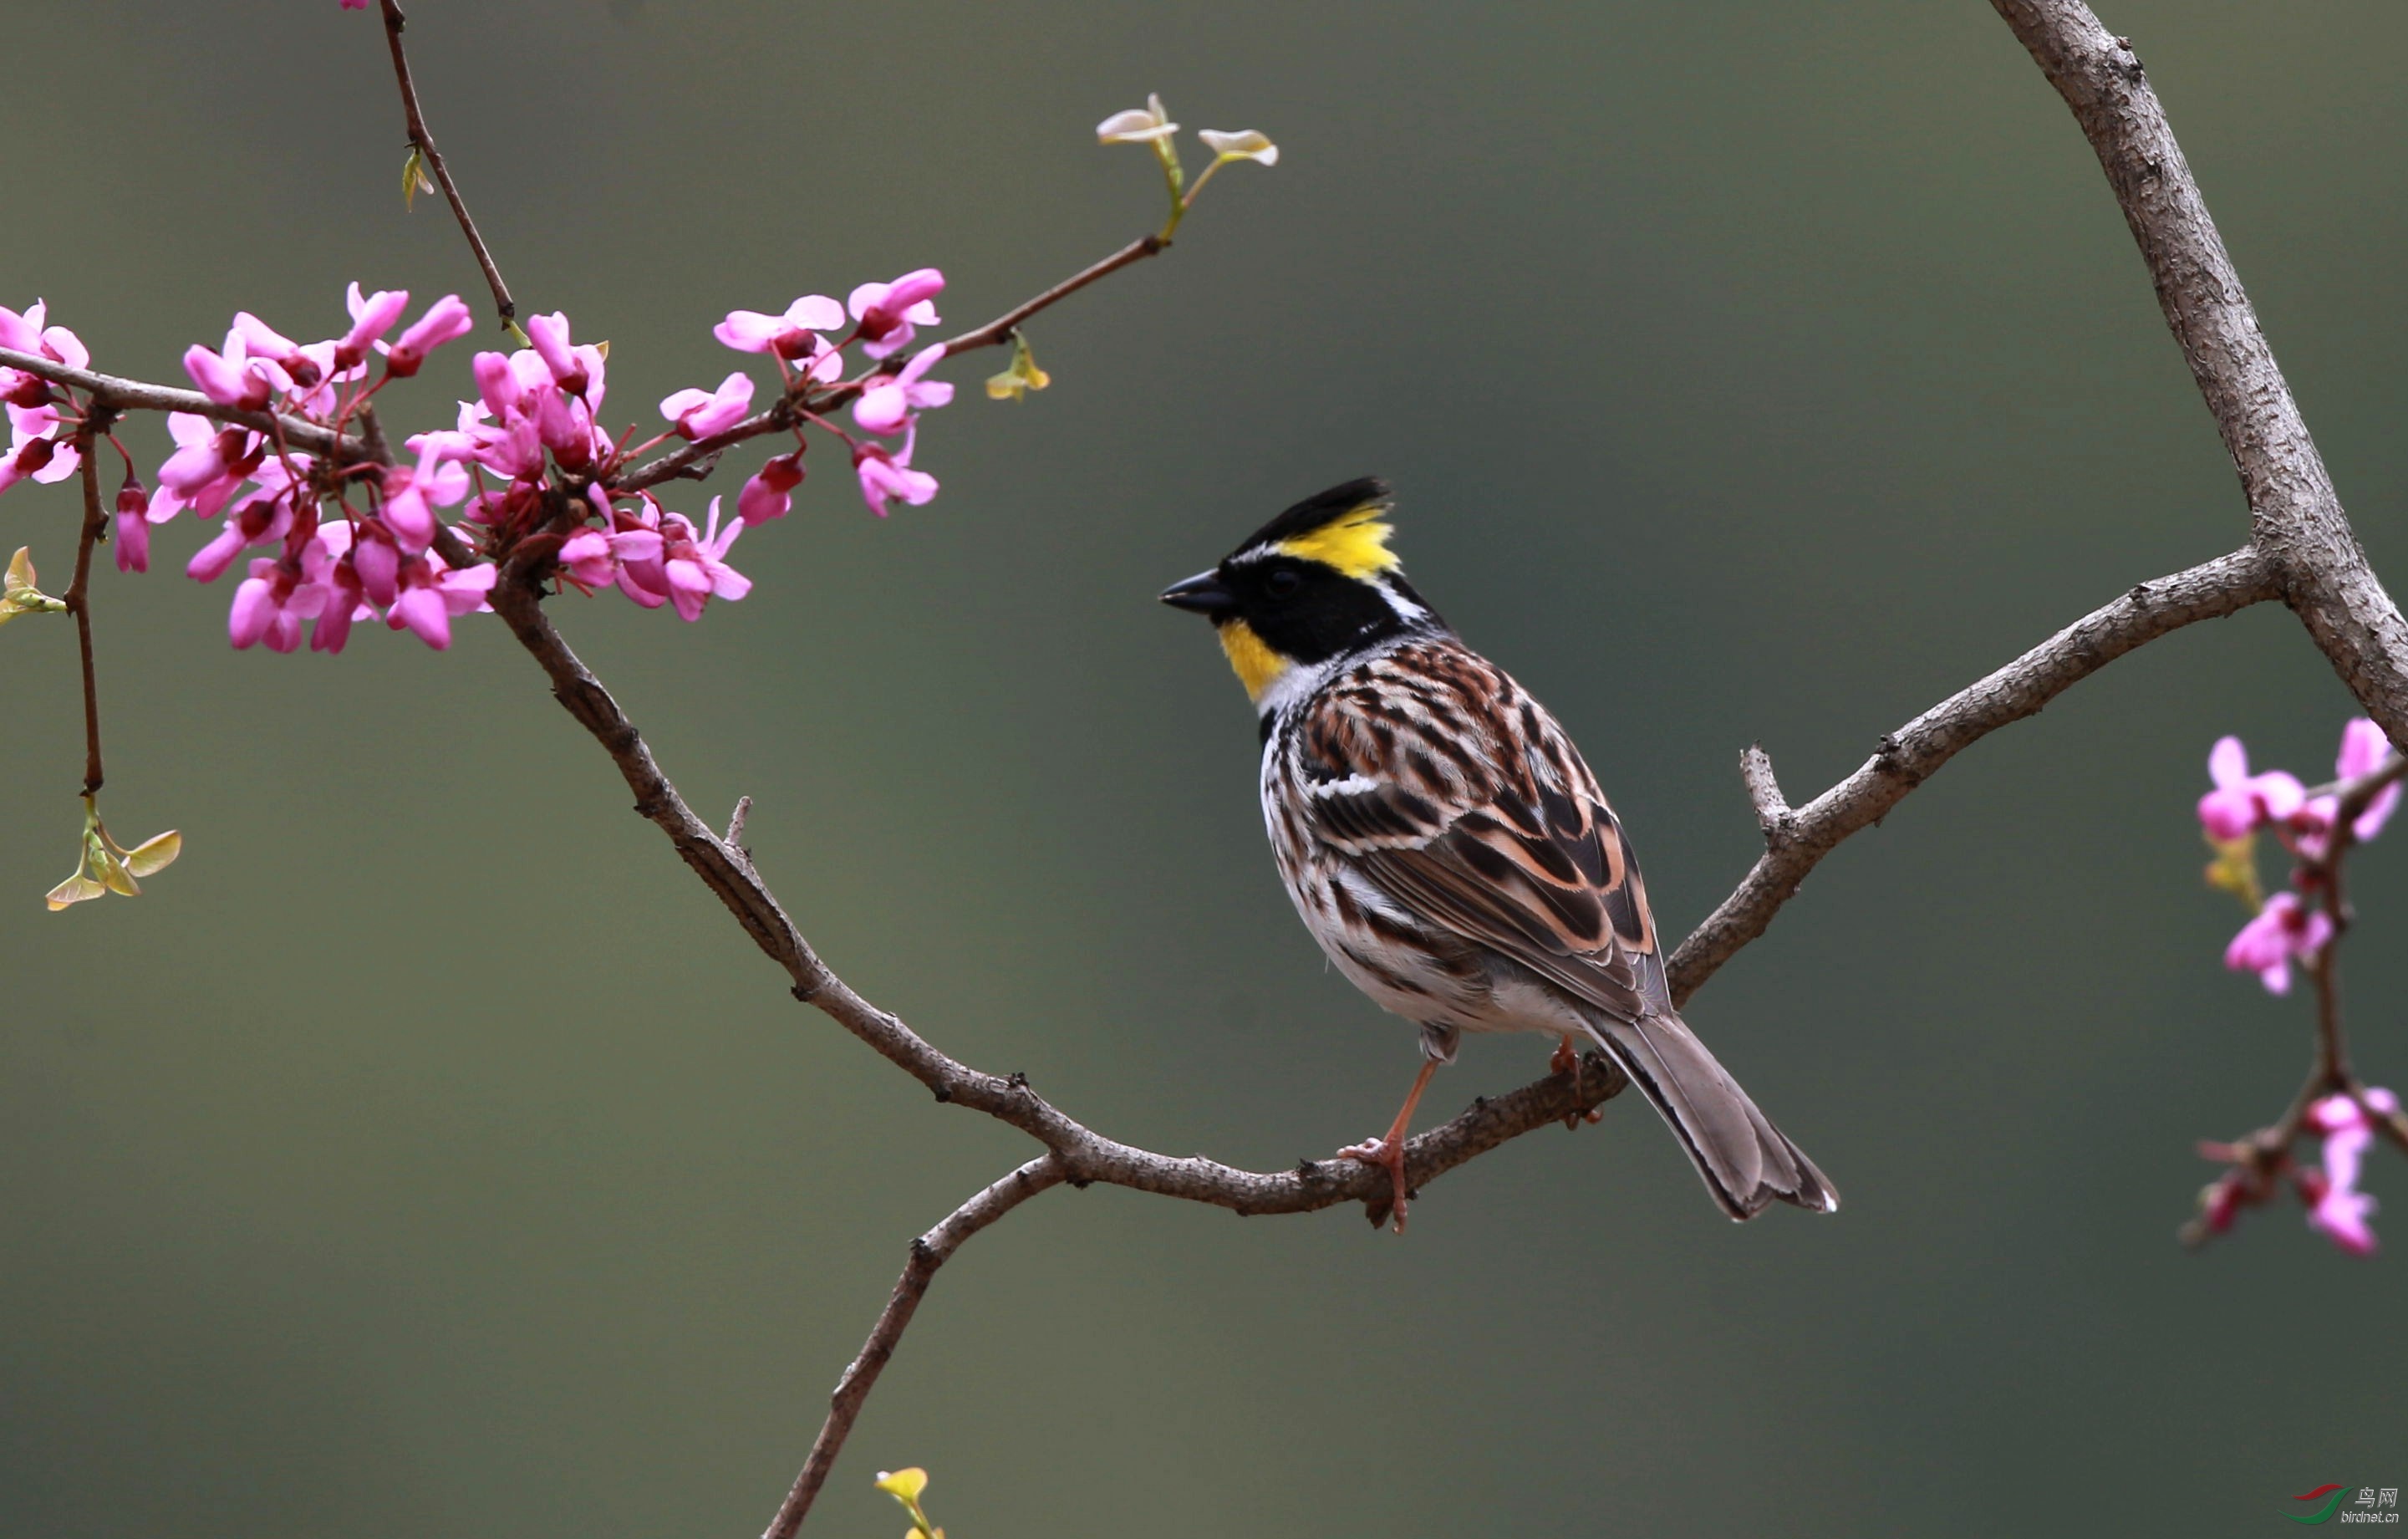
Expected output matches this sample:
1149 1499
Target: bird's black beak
1203 594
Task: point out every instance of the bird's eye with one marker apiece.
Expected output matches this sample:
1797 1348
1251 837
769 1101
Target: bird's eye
1282 583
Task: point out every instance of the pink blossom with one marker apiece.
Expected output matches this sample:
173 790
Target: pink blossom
887 313
498 384
885 473
569 365
35 449
228 382
2241 801
2284 929
431 595
513 451
567 428
205 470
65 346
31 333
886 406
2363 750
697 563
412 493
376 561
2336 1206
372 316
262 340
18 388
355 5
699 413
769 494
21 334
269 606
133 526
444 320
59 345
302 367
791 336
588 559
263 518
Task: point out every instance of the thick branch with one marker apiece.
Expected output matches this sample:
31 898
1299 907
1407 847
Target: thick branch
414 121
2296 516
1907 758
1796 839
1086 1156
133 394
929 1252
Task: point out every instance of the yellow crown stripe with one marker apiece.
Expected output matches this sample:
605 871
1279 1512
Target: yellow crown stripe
1356 542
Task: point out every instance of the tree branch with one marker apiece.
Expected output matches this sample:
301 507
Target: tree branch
133 394
1002 326
1795 841
78 593
2296 517
929 1252
423 142
1086 1156
694 459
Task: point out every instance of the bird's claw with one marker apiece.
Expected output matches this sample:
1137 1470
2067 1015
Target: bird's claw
1567 1060
1389 1155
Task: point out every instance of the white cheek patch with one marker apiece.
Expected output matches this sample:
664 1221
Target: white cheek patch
1405 609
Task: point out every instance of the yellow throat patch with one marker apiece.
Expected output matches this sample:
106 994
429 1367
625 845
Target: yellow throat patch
1356 542
1256 664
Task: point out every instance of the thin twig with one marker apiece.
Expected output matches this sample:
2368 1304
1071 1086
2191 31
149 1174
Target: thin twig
996 331
78 593
423 142
1795 840
692 459
929 1252
133 394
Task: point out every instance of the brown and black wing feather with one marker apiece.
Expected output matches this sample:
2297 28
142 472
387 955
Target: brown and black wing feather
1457 795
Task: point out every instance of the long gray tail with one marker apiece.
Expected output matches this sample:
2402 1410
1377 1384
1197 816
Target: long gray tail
1745 1160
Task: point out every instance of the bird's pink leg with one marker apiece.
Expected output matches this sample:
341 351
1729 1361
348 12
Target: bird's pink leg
1567 1060
1389 1152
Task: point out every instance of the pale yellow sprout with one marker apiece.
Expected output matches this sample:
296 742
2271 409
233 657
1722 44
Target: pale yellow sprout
18 594
1137 125
1244 144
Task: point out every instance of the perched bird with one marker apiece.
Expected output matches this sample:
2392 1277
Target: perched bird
1447 845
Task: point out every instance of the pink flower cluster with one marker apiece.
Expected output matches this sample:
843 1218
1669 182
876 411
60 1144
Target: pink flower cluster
2336 1208
362 563
528 461
37 450
2289 928
887 318
2335 1205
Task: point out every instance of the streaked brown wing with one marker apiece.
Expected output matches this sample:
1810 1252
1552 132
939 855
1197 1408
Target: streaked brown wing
1460 797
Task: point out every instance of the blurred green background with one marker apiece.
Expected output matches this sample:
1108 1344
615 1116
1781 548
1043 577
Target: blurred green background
428 1153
